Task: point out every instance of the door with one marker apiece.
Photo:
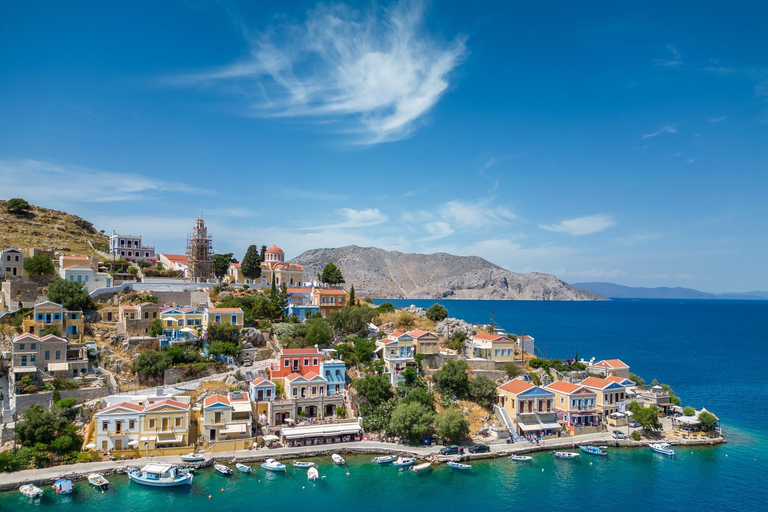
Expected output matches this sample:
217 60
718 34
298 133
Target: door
260 395
118 444
213 434
165 424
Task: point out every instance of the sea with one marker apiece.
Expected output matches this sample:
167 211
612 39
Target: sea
712 353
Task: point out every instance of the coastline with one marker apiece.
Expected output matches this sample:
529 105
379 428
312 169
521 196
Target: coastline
80 471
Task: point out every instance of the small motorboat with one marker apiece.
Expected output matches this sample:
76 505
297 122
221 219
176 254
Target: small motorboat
403 462
338 459
421 468
161 475
459 465
243 468
313 474
31 491
273 465
63 486
98 481
193 457
566 455
662 448
520 458
222 469
303 465
384 459
593 450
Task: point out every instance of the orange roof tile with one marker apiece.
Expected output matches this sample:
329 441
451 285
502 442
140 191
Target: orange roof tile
274 248
299 290
216 399
517 386
612 363
488 337
123 405
176 258
330 291
563 387
596 382
261 380
225 310
418 333
300 351
293 376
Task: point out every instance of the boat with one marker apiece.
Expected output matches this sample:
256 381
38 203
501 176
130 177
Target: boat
161 475
313 474
303 465
338 459
243 468
63 486
593 450
663 448
421 468
193 457
384 459
273 465
31 491
566 455
403 462
459 465
521 458
224 470
99 481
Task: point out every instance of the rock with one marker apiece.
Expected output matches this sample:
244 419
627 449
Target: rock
231 380
415 310
451 325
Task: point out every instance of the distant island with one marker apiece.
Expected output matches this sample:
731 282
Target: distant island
617 291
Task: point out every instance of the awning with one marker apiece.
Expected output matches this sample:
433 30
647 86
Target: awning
58 367
532 427
529 428
337 429
25 369
241 406
170 438
550 426
234 428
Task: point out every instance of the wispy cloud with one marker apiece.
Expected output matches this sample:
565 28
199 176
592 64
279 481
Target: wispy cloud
594 273
691 160
375 73
437 230
717 119
353 219
666 129
477 214
662 277
720 70
672 60
581 225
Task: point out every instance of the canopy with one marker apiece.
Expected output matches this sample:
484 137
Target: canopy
235 428
92 445
532 427
271 437
336 429
188 329
131 443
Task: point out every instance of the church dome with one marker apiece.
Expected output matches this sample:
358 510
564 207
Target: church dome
275 249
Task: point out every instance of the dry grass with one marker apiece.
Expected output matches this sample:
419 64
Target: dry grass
398 316
476 413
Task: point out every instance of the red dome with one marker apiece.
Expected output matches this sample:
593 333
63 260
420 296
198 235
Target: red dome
275 248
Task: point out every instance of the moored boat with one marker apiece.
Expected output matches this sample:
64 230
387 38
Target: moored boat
160 475
273 465
566 455
193 457
31 491
63 486
338 459
520 458
243 468
313 474
97 480
303 465
459 465
421 468
663 448
224 470
403 462
384 459
593 450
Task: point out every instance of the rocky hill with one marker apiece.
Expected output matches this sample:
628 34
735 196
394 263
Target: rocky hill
389 274
48 229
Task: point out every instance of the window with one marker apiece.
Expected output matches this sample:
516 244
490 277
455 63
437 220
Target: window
57 316
32 346
47 355
86 278
314 390
328 373
217 319
131 424
146 314
287 363
154 314
104 446
151 423
23 360
104 426
32 359
314 361
269 393
306 361
58 355
295 392
21 346
234 319
178 422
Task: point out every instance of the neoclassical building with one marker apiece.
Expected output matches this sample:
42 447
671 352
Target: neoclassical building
290 274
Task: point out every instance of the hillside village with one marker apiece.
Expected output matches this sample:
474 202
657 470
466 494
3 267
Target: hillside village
124 351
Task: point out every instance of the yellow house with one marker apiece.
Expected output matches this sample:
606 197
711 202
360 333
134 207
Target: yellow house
610 395
165 423
494 347
175 319
275 267
610 367
47 315
426 342
223 316
227 417
136 422
11 263
528 409
235 274
576 405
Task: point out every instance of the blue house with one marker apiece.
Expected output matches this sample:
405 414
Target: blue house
335 372
262 390
300 303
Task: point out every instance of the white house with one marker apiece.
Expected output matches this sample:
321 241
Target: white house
129 246
85 271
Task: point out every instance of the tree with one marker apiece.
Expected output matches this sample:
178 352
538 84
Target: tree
331 275
51 329
483 391
437 313
263 252
452 426
689 411
405 321
319 331
156 328
452 378
411 421
352 295
221 264
251 266
70 294
363 349
18 206
51 429
225 348
512 369
637 379
386 307
150 364
352 319
375 389
707 419
39 265
456 341
647 417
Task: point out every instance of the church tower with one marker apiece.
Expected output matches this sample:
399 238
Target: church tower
200 253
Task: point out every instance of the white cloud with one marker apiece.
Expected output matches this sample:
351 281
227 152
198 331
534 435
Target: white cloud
594 273
353 219
672 61
476 215
677 277
666 129
582 225
690 160
717 119
375 72
720 70
437 230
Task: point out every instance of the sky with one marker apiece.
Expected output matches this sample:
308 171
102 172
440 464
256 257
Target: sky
601 141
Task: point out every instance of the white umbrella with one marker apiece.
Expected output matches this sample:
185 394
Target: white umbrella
271 437
90 446
187 329
133 443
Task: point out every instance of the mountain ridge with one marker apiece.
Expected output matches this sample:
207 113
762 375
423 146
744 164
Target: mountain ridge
618 291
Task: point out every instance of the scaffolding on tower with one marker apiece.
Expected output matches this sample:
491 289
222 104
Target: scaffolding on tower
200 253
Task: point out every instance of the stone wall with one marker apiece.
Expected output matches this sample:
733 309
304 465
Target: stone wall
20 290
85 394
189 298
24 402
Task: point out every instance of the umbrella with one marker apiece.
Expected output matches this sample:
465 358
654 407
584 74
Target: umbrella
188 329
91 446
271 437
133 443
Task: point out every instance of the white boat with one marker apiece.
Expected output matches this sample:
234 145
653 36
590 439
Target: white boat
459 465
594 450
521 458
63 486
313 474
243 468
31 491
303 465
403 462
663 448
160 475
384 459
273 465
224 470
566 455
99 481
193 457
338 459
421 468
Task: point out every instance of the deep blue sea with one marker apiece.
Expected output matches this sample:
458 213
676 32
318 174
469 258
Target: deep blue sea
711 352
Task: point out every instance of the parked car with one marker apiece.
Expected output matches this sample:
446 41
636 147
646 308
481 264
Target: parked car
618 434
479 448
451 450
633 424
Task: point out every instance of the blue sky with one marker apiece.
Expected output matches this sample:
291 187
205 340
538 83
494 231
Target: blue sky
621 142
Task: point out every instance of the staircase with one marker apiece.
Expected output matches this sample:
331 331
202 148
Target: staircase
503 417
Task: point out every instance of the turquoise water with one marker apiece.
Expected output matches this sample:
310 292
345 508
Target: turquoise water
711 352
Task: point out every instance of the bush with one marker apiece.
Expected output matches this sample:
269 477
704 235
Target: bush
375 389
319 332
437 313
452 426
405 321
18 205
456 341
636 436
69 294
512 369
411 421
452 379
689 411
39 265
707 420
483 391
386 307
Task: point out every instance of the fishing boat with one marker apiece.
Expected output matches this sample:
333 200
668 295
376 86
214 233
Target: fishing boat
403 462
161 475
384 459
566 455
459 465
224 470
63 486
303 465
313 474
421 468
98 481
593 450
243 468
193 457
273 465
31 491
663 448
338 459
521 458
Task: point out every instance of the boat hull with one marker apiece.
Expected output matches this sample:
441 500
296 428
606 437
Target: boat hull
185 480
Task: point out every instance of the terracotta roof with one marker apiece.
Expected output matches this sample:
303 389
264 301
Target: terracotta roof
296 266
216 399
418 333
72 261
299 290
225 310
596 382
243 397
127 306
396 334
300 351
310 375
612 363
293 376
616 378
331 291
237 265
123 405
172 403
563 387
274 248
517 386
261 380
488 337
176 258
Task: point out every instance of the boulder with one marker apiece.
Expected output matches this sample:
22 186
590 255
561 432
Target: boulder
451 325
